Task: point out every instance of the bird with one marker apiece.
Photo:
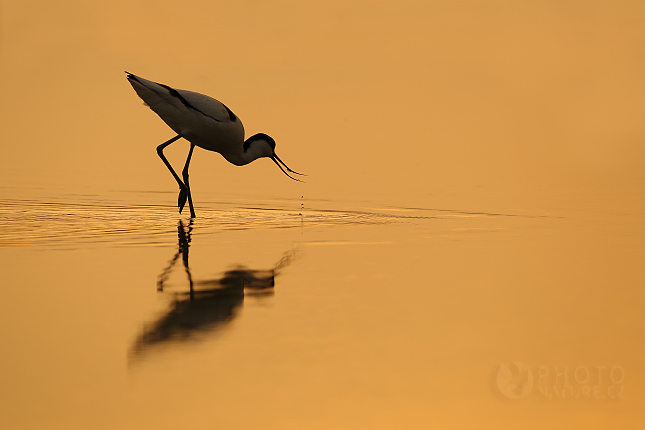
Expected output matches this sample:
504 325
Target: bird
204 122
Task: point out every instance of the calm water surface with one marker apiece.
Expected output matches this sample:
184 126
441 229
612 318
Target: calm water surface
281 314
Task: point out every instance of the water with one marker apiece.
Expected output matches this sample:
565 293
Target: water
263 315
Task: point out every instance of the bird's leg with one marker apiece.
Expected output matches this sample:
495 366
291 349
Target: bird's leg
182 187
185 176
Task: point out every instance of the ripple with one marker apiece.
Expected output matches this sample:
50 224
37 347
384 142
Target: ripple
30 222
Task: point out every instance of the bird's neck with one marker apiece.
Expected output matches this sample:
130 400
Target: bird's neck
249 155
254 151
241 158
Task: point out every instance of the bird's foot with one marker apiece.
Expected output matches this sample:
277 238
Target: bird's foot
183 196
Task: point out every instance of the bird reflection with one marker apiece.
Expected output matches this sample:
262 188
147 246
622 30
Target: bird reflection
209 304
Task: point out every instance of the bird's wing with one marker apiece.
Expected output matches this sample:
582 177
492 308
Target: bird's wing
158 96
164 99
208 106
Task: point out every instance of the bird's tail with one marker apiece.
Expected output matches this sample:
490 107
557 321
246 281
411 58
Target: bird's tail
131 77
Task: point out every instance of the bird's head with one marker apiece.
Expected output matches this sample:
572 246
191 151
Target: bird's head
263 145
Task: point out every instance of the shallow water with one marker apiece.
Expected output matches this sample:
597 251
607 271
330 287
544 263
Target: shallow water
259 314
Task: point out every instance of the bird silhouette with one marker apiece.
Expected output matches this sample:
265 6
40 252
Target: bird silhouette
204 122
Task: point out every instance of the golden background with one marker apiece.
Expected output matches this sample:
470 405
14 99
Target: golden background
517 124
